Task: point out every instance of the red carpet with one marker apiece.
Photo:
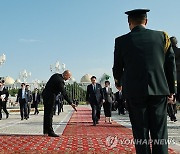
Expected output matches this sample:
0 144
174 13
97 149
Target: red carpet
79 136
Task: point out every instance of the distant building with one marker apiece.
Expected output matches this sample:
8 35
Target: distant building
85 81
9 81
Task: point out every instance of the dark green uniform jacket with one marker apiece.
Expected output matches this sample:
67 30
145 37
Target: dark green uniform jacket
145 63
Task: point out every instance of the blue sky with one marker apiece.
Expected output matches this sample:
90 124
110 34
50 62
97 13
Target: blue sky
79 33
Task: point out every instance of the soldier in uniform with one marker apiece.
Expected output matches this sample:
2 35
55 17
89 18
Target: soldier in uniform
172 110
177 59
145 62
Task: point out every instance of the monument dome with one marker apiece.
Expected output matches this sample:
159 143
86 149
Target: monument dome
86 78
9 80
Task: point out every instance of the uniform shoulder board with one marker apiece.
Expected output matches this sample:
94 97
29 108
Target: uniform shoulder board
167 42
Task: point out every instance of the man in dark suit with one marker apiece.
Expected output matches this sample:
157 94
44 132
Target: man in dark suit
22 97
172 106
174 43
119 98
36 100
52 88
29 95
95 97
59 103
145 63
4 94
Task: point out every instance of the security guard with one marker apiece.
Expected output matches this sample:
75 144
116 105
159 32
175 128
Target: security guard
174 43
145 62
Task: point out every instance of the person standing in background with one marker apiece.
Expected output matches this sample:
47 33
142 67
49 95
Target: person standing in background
171 108
29 98
119 98
58 103
107 105
174 43
22 98
36 100
4 94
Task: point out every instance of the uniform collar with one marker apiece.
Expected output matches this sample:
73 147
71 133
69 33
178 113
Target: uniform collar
138 28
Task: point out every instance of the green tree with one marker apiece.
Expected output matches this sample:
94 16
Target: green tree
13 92
74 91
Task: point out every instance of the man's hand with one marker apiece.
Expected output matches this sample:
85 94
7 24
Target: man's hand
74 106
103 100
171 99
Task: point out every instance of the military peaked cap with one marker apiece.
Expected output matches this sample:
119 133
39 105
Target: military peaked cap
137 13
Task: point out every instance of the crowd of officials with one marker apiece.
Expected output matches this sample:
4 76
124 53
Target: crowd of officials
109 101
27 100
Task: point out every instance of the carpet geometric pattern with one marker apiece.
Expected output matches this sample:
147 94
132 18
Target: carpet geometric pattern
79 136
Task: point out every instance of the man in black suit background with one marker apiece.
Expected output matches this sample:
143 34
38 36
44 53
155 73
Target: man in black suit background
59 103
22 97
53 87
29 95
174 43
171 108
36 100
95 97
4 94
119 98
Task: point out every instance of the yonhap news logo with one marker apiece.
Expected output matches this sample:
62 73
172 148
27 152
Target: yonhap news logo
113 141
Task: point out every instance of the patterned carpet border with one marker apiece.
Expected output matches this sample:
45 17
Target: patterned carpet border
79 136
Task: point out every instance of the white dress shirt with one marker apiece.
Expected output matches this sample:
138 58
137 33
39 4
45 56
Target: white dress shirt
23 93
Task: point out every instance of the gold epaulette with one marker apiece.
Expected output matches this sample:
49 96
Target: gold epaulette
167 42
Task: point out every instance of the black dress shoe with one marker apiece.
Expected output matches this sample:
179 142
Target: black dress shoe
45 133
173 119
22 118
94 123
53 134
